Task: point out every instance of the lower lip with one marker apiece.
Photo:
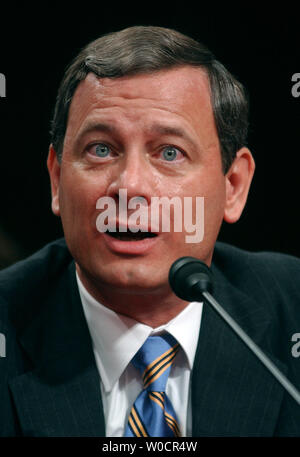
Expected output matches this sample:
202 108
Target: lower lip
130 247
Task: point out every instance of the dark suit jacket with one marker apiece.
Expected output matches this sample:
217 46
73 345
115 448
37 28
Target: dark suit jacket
49 384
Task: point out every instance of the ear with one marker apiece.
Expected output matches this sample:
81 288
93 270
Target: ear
238 180
54 173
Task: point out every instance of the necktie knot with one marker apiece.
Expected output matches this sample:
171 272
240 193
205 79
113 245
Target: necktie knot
154 360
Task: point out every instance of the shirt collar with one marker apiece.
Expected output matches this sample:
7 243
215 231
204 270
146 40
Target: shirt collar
117 338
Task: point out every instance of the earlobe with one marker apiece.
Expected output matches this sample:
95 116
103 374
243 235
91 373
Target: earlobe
238 181
54 173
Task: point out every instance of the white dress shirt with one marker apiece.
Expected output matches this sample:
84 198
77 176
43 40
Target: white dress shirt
117 338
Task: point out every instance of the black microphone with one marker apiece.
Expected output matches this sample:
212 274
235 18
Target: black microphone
188 277
191 280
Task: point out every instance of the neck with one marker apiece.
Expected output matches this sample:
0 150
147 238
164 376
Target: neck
153 308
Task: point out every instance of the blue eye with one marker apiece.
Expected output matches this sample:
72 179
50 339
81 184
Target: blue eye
170 153
102 150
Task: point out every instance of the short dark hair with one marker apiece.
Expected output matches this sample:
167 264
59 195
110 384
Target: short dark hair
147 49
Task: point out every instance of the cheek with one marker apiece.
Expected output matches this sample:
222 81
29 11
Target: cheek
208 183
215 197
212 187
78 195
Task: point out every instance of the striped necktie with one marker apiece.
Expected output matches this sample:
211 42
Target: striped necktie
152 413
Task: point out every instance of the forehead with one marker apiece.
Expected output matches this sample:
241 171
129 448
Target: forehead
181 94
165 82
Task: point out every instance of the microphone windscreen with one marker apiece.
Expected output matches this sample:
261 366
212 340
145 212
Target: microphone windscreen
188 277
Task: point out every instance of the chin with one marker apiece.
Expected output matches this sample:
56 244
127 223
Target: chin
127 279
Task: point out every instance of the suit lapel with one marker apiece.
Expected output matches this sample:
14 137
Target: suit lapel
61 395
233 394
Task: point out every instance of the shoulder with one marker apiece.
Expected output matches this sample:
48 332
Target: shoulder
274 264
25 288
269 276
34 273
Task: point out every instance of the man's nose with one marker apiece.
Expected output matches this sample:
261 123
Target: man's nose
134 174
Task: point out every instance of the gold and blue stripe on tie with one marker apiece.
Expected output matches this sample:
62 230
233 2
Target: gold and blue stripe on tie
152 413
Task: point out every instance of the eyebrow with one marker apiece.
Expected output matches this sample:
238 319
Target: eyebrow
95 126
157 128
173 131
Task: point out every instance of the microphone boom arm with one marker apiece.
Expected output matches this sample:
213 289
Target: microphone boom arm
190 278
267 362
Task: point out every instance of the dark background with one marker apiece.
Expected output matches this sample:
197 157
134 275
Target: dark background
259 45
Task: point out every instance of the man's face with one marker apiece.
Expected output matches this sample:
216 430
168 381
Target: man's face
153 135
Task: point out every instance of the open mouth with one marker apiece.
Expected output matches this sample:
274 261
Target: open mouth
130 236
